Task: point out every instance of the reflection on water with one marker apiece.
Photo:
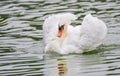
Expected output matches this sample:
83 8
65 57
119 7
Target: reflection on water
71 65
21 45
56 67
62 66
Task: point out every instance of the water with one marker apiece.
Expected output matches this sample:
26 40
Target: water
21 45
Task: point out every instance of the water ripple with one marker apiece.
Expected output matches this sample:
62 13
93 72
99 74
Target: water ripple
21 45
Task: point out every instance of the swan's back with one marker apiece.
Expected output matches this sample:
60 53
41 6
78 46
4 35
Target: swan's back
85 37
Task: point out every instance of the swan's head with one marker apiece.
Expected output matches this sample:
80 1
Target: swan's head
57 36
57 41
62 28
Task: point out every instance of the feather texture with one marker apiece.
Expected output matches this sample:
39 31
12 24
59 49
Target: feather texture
78 39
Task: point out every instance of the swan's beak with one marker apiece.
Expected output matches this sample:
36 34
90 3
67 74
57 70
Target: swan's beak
60 30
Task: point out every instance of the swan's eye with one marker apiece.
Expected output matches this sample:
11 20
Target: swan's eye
61 27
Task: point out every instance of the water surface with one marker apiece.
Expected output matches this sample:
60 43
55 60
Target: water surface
21 45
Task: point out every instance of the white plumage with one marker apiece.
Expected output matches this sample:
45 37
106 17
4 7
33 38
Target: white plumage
79 39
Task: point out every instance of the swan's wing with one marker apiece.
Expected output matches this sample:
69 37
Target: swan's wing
50 25
92 32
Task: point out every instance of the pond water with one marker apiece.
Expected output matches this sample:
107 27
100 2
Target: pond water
21 45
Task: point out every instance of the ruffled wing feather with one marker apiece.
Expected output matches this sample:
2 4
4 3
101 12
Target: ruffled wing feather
92 32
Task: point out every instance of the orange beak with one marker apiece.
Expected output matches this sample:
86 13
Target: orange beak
60 32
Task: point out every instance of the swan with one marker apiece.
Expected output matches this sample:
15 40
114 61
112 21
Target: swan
61 37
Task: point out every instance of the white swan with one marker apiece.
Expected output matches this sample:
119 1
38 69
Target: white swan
61 37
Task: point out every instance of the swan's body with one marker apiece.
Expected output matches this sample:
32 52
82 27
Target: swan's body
77 39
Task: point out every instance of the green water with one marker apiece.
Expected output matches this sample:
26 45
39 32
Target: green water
21 45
